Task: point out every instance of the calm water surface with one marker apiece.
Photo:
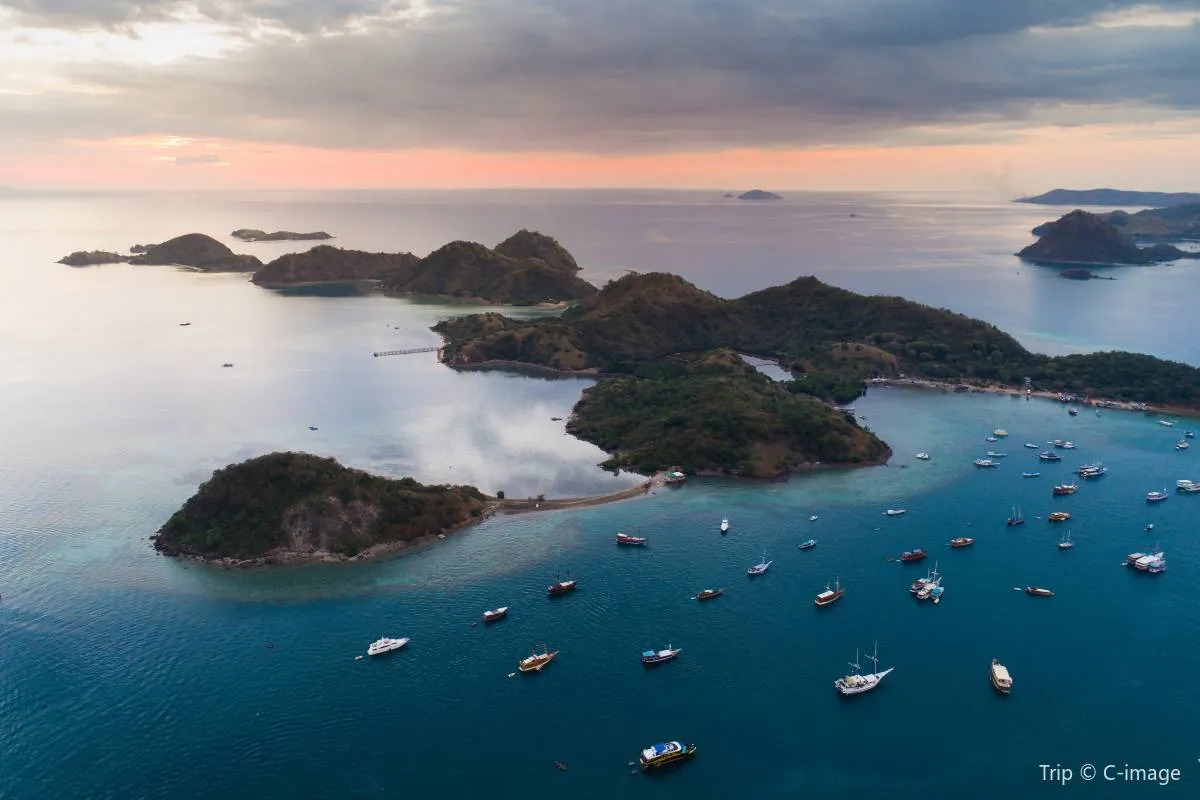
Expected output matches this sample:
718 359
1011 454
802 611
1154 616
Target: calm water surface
125 674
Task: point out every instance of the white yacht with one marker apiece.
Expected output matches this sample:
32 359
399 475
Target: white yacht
984 462
724 526
1182 444
923 456
857 683
760 567
894 512
385 645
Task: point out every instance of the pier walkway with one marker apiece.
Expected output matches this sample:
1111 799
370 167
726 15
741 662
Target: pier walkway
409 351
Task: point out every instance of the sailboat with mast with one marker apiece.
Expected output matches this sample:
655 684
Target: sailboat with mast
857 683
760 567
1016 518
1066 543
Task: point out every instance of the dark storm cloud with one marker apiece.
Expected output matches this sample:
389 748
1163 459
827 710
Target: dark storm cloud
625 76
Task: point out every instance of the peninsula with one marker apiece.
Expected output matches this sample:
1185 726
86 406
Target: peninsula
1083 238
88 258
253 235
194 250
1174 223
296 507
1109 197
759 194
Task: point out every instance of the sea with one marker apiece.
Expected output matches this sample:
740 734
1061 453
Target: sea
125 674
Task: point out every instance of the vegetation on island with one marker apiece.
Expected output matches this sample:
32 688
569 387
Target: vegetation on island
255 235
1174 223
1109 197
87 258
1083 238
759 194
198 251
714 413
326 263
285 505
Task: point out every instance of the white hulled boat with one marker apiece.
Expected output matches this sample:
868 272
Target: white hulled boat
1156 496
760 567
385 645
724 526
857 683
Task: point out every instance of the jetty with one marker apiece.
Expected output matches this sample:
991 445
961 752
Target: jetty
515 506
406 352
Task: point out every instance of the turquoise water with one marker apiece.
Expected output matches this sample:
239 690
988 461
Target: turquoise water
125 674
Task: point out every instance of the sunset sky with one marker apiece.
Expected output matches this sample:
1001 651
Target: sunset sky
1002 96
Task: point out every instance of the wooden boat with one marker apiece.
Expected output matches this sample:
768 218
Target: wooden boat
561 587
535 662
625 538
808 544
857 683
652 658
1065 488
495 614
962 541
1017 518
760 567
1038 591
709 594
1059 516
830 595
1048 456
665 753
1000 677
912 555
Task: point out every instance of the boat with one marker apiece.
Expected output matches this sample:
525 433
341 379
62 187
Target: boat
1074 412
894 512
1066 543
1149 526
660 755
651 658
990 439
1000 432
813 518
535 661
1065 488
1046 455
1156 496
932 582
385 645
1156 566
831 594
561 587
919 583
962 541
1143 564
227 365
936 594
1059 516
1191 487
1184 484
1000 677
984 462
709 594
1133 558
1038 591
1031 446
857 683
1182 444
724 526
1060 443
675 477
993 454
184 324
495 614
313 428
808 544
625 538
912 555
1093 471
1067 446
1166 423
1017 517
922 456
1031 474
760 567
1190 434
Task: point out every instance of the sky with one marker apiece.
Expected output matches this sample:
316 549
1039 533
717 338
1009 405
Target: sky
1007 97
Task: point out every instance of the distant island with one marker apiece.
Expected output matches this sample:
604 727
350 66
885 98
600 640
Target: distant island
88 258
1084 238
194 250
758 194
1081 274
1110 197
1173 223
296 507
253 235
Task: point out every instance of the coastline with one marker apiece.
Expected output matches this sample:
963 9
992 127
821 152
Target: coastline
996 388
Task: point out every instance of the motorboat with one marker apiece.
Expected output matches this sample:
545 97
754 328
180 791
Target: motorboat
725 526
660 755
932 582
651 658
808 544
1156 496
625 538
856 682
1156 566
760 567
561 587
1167 423
1074 412
912 555
1093 471
1067 446
535 661
1182 444
385 645
1065 488
991 439
984 462
1046 455
1038 591
1190 434
1058 516
1000 433
923 456
831 594
1000 677
675 477
894 512
1031 446
919 584
709 594
1031 474
495 614
936 594
962 541
993 454
813 518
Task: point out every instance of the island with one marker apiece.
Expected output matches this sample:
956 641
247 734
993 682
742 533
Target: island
1174 223
1109 197
1081 274
88 258
328 264
1087 239
759 194
197 251
253 235
295 507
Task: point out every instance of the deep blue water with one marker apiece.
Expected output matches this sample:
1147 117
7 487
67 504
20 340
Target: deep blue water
125 674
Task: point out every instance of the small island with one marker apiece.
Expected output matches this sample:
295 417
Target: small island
1109 197
198 251
759 194
1081 274
1087 239
1174 223
254 235
295 507
88 258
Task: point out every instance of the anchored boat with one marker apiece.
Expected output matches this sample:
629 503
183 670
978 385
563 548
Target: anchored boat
652 658
708 594
495 614
1000 677
857 683
830 595
660 755
535 661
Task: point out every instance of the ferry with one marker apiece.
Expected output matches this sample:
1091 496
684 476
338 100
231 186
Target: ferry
1038 591
625 538
1046 455
1065 488
984 462
912 555
1156 496
385 645
495 614
808 544
1058 516
857 683
535 662
962 541
830 595
1000 677
561 587
660 755
651 658
708 594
